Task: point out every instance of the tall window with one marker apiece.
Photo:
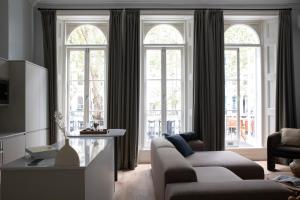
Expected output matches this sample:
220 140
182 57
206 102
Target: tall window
163 53
86 60
242 86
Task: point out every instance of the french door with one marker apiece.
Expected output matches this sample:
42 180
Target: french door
242 91
163 94
86 69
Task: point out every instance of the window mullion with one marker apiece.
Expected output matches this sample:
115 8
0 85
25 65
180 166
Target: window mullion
68 88
163 90
86 86
238 96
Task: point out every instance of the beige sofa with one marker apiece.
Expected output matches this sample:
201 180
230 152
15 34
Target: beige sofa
215 175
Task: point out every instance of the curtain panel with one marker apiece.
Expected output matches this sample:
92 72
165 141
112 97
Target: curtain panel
123 83
49 44
208 78
285 97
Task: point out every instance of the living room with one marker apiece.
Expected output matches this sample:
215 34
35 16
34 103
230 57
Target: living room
149 99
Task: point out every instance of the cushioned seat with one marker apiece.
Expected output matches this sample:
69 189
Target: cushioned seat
231 190
215 175
277 149
174 177
292 152
241 166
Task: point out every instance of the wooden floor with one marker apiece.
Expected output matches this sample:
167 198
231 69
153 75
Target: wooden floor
137 184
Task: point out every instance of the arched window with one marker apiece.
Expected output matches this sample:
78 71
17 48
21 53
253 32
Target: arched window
163 34
86 66
242 85
86 35
241 34
164 55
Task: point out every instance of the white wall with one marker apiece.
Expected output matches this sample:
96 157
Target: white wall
16 35
20 30
38 55
4 28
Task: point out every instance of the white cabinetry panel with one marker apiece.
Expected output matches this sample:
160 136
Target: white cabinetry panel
43 99
13 148
36 138
32 97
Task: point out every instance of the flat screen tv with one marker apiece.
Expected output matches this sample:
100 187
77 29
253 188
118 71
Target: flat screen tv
4 92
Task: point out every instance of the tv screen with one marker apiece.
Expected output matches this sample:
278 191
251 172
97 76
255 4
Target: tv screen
4 92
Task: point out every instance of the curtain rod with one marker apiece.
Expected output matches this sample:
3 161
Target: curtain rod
262 9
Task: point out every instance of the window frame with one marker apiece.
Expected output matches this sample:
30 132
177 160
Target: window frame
184 48
256 25
65 49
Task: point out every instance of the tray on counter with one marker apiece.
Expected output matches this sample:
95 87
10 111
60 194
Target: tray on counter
91 131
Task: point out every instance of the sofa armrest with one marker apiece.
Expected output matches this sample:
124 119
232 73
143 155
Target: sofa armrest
274 140
196 145
246 190
169 166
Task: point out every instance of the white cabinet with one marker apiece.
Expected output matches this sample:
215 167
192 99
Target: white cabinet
13 148
32 98
36 97
28 107
43 99
36 138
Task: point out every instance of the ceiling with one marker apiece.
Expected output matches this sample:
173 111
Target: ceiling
163 3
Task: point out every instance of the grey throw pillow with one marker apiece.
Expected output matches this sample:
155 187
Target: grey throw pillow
290 137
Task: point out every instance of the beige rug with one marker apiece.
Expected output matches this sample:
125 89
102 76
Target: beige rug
137 184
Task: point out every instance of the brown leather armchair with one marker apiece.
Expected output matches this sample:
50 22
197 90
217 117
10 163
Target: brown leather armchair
276 149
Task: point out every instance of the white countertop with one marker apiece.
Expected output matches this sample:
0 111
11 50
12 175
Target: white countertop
87 149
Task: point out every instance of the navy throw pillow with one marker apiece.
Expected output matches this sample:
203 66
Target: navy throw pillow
181 145
188 136
166 135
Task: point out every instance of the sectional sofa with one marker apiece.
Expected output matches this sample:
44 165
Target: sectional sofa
209 175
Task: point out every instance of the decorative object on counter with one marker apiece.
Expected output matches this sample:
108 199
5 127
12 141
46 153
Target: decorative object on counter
66 156
42 152
92 131
295 167
95 125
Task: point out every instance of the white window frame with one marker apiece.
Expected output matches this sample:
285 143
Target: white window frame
87 81
186 69
256 25
82 17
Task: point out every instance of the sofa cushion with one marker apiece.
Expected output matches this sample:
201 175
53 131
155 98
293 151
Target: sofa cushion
215 174
181 145
241 166
159 143
290 137
189 136
231 190
196 145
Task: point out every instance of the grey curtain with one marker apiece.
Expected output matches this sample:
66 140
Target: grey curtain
49 43
285 99
123 83
208 78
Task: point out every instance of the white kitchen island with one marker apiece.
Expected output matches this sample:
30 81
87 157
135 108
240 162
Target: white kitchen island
92 180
